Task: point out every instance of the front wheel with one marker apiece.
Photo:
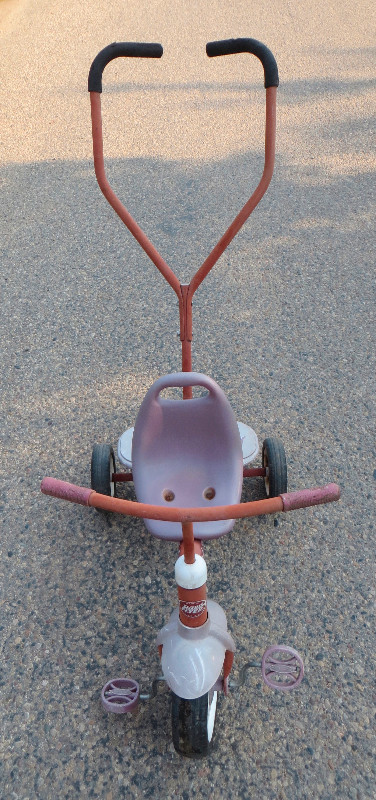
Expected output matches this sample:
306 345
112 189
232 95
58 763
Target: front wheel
193 724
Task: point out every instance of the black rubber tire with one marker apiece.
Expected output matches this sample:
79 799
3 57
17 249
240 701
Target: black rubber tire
274 459
102 466
193 725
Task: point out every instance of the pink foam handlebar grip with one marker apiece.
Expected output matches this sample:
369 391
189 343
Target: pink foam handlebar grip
311 497
66 491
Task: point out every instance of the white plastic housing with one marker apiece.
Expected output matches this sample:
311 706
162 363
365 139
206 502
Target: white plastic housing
192 658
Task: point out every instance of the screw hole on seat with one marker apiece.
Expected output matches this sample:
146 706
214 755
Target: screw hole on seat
209 493
168 495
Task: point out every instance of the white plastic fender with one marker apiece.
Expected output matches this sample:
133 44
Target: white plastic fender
192 658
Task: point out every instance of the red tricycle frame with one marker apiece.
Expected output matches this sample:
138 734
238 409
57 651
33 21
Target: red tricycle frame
199 622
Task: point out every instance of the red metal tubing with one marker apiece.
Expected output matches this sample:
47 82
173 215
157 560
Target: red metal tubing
125 216
272 505
122 477
197 546
270 134
184 293
140 236
254 472
188 542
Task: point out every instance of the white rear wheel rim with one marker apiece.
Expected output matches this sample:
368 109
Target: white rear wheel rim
112 470
212 707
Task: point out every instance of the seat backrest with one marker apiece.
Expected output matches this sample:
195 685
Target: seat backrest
187 453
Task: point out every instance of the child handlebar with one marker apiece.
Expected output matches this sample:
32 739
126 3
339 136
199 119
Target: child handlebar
272 505
231 46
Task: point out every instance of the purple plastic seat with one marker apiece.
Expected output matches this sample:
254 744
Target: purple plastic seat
187 453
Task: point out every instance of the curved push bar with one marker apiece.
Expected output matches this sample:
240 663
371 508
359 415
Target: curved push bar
134 49
286 502
118 50
230 46
271 83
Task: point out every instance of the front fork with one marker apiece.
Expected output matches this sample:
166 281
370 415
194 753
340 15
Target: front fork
195 646
229 654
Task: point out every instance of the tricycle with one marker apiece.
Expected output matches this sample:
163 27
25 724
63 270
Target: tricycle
187 457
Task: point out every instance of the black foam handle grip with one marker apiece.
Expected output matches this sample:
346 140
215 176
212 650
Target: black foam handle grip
230 46
117 50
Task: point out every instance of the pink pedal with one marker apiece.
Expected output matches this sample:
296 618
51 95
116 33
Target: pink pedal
282 668
120 696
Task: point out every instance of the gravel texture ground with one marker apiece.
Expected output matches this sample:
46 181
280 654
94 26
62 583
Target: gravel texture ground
285 324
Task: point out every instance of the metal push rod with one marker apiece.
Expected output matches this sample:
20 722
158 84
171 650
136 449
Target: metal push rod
184 292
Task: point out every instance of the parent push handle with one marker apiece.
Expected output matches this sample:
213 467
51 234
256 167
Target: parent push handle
184 292
119 50
231 46
222 48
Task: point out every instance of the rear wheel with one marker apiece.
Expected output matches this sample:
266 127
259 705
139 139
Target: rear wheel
193 724
274 461
102 468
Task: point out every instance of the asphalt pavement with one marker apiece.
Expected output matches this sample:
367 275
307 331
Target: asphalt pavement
285 323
